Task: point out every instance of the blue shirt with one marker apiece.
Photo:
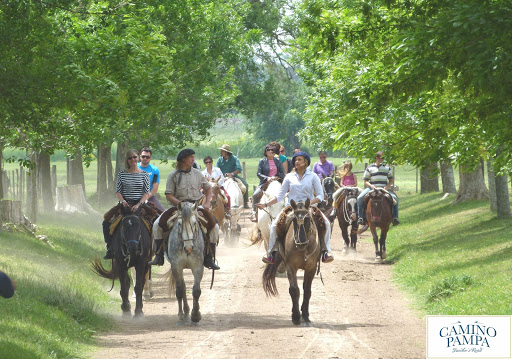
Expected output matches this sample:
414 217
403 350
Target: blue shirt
153 172
301 189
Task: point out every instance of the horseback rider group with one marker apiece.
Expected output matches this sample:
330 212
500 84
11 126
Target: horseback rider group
138 183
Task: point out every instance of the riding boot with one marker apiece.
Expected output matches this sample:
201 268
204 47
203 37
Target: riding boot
208 258
159 254
254 214
108 240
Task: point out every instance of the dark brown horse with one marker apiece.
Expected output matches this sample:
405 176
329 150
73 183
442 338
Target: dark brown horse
132 248
326 206
378 215
346 211
299 249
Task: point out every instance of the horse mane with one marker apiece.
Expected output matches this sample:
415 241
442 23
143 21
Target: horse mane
186 212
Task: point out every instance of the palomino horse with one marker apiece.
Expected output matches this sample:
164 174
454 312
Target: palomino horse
378 215
326 206
232 229
185 251
132 248
346 211
299 250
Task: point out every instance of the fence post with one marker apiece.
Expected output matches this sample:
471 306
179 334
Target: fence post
243 169
54 179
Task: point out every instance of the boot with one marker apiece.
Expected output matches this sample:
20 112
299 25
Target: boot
208 258
108 240
246 205
159 254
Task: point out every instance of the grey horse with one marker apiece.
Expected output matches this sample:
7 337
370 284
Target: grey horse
185 250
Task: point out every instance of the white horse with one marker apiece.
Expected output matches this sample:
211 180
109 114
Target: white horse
268 214
231 228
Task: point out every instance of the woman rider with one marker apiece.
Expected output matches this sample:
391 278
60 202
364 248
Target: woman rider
270 168
132 190
300 184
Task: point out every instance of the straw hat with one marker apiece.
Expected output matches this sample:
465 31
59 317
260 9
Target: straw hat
225 148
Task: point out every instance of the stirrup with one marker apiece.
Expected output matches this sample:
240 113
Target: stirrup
360 221
158 260
254 218
209 263
396 222
270 259
327 257
109 254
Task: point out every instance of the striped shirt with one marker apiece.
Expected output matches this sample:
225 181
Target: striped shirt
378 176
132 185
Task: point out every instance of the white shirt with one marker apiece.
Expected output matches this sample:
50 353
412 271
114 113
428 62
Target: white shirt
216 172
301 189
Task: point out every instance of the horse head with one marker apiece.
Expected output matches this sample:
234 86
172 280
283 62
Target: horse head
131 233
351 194
329 189
377 205
187 225
215 194
301 222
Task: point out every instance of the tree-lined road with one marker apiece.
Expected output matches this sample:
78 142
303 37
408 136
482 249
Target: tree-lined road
359 313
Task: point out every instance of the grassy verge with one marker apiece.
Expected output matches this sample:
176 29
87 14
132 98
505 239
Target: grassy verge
60 303
452 258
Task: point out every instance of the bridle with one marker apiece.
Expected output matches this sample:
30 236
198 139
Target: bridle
125 242
348 212
376 206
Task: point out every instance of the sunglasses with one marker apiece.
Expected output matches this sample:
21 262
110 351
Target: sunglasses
144 156
269 149
133 157
282 151
381 157
208 162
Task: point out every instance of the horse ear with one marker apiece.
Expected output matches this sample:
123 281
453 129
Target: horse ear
180 206
308 202
293 204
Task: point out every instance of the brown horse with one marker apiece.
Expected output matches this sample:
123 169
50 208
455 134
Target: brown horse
378 215
299 249
346 211
217 203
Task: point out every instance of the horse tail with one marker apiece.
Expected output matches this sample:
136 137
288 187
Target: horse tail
172 283
255 238
98 268
269 277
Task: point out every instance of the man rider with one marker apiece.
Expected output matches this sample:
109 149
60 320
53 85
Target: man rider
230 167
154 176
377 175
184 184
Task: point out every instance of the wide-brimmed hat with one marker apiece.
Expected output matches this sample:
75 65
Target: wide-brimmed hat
225 148
184 153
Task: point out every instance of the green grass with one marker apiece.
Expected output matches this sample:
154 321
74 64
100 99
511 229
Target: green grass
59 303
452 258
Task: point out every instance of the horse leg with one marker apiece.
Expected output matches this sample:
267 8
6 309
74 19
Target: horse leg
124 279
308 280
294 294
344 233
353 236
141 271
376 242
181 294
196 293
382 242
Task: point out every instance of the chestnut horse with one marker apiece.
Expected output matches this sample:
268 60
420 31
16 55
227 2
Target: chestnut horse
378 215
300 249
346 211
216 204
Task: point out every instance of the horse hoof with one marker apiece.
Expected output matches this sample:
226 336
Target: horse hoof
195 317
378 259
383 255
307 323
139 315
151 294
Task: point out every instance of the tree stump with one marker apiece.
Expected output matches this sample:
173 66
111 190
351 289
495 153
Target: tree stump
71 199
13 218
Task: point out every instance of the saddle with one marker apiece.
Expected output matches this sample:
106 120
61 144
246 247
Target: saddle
285 219
387 196
148 214
241 185
167 219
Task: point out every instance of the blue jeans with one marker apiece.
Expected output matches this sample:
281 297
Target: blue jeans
394 209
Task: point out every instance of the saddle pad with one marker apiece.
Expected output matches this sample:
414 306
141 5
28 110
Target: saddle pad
241 185
114 224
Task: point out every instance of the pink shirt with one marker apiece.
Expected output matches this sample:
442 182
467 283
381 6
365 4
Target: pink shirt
272 171
349 180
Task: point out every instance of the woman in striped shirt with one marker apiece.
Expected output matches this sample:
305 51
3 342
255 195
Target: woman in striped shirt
132 190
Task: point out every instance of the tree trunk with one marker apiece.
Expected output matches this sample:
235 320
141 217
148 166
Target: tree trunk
447 177
32 202
472 185
492 186
71 199
122 147
77 169
45 177
101 177
110 176
1 171
502 196
430 179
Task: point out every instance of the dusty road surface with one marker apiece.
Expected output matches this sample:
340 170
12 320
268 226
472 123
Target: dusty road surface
358 313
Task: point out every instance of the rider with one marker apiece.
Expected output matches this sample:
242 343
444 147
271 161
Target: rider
347 177
230 167
323 168
377 175
184 184
154 176
270 168
132 190
300 184
213 173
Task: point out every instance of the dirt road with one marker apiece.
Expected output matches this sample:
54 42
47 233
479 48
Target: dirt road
359 313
